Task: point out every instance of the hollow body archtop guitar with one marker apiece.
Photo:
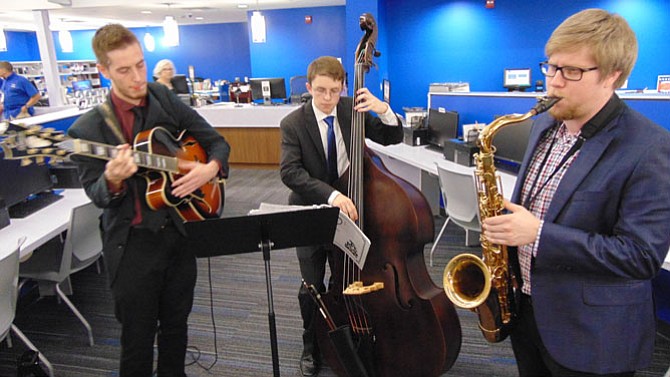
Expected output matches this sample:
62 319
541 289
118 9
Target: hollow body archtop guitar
156 151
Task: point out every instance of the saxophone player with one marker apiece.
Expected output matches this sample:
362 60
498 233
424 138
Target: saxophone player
590 214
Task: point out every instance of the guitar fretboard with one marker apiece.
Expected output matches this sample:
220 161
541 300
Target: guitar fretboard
108 152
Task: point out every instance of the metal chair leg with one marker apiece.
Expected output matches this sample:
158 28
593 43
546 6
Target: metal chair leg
77 313
437 239
30 345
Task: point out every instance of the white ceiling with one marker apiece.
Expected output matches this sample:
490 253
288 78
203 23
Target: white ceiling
91 14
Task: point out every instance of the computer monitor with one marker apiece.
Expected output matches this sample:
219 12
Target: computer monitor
442 125
24 182
180 84
511 143
516 79
267 89
81 85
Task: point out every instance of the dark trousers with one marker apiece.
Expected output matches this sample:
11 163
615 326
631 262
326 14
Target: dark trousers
153 296
532 358
312 262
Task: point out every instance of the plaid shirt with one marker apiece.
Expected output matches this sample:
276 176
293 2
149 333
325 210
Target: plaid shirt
540 185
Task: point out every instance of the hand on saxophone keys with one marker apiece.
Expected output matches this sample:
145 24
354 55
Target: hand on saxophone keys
518 227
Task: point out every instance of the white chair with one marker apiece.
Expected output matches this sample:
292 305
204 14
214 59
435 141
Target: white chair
9 276
460 203
53 263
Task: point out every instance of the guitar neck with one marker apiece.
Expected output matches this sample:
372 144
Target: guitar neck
142 159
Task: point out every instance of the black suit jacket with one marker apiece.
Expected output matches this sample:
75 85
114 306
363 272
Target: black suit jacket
164 108
303 161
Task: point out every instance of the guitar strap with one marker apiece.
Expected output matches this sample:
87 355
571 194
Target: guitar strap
105 110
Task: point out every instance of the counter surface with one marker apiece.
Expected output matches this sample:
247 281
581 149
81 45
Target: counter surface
229 114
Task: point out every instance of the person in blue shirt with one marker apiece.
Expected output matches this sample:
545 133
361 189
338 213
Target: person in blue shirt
19 94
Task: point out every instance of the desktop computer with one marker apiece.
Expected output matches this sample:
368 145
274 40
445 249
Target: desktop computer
460 152
415 137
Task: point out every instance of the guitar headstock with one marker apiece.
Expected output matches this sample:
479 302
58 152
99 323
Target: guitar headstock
31 143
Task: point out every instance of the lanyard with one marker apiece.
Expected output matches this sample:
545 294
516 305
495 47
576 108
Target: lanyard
533 196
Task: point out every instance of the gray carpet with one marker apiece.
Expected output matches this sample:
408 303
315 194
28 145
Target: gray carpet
240 310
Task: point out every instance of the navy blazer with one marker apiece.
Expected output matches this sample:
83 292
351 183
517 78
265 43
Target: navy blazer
605 236
303 161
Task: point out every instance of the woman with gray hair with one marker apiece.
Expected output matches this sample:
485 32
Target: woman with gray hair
164 71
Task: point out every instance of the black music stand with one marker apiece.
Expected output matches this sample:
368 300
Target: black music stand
247 234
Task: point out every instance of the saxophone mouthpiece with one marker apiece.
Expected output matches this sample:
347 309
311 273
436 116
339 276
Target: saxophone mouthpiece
545 103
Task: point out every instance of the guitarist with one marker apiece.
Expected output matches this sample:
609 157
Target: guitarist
152 276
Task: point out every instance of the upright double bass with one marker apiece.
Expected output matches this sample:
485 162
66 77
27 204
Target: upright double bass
397 321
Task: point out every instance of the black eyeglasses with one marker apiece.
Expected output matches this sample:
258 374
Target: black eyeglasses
569 73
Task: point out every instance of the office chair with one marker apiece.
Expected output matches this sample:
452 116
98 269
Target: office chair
460 204
53 263
297 88
9 277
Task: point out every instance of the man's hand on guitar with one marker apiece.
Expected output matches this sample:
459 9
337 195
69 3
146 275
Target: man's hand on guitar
120 167
198 174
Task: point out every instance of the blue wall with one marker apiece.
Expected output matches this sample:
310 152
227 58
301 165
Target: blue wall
291 44
217 51
439 41
421 41
21 46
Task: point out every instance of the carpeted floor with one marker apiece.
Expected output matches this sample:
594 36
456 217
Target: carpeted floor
228 332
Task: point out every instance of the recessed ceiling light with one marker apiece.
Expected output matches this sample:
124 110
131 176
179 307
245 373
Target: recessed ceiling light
200 18
146 12
242 6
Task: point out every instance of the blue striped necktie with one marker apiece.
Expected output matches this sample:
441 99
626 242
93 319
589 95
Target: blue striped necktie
332 149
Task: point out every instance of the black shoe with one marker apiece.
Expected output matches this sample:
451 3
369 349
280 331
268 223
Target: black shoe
309 367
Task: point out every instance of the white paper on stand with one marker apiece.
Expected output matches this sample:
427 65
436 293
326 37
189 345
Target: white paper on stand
351 239
348 236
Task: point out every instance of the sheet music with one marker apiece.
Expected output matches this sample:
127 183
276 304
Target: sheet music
348 236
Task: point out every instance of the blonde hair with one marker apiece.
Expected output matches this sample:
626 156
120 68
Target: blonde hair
161 65
607 35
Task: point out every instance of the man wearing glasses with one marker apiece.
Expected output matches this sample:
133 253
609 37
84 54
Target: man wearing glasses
314 143
590 213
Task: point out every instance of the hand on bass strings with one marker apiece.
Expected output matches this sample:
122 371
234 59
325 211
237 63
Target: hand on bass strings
198 174
346 205
365 101
120 167
519 227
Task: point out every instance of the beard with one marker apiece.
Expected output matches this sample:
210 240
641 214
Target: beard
564 113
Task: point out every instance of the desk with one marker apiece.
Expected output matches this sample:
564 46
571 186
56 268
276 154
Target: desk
42 225
252 131
483 106
417 166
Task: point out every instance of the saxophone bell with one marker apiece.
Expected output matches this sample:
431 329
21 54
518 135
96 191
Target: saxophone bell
488 285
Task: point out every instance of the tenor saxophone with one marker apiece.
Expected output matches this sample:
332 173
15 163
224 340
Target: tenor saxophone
486 285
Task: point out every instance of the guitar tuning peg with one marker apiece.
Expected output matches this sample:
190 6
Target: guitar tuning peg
25 162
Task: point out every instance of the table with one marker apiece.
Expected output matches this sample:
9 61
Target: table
252 131
42 225
417 165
